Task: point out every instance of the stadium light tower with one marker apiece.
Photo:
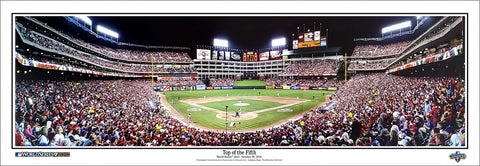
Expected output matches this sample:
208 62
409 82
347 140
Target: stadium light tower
279 42
85 19
395 27
220 42
106 31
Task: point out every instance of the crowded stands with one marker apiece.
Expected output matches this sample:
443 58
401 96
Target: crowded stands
128 55
390 111
386 110
316 66
119 66
379 50
370 64
304 82
222 82
172 82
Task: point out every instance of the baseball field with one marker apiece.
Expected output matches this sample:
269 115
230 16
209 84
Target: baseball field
257 109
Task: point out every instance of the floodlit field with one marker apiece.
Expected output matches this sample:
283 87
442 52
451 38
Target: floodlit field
249 83
262 111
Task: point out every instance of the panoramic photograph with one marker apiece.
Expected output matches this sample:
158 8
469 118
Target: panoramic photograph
239 80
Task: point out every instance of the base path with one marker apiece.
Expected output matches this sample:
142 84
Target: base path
244 116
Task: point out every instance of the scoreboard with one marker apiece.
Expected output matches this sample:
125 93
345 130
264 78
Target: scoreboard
310 39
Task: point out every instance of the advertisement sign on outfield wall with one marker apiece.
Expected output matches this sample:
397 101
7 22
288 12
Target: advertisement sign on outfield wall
269 87
316 35
323 41
264 56
166 88
308 37
286 87
201 87
295 87
227 55
304 87
318 88
209 88
221 55
278 87
203 54
275 54
332 88
214 55
217 87
227 87
236 56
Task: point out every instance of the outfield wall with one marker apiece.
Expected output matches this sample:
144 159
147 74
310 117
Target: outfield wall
166 88
249 87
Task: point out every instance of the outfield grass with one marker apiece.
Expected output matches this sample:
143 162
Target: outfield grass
208 118
255 105
249 83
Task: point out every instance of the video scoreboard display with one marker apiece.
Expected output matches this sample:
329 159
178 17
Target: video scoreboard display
309 39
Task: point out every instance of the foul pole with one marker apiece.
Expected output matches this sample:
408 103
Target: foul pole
345 68
152 71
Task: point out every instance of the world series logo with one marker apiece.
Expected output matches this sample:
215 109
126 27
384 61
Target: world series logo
458 156
42 154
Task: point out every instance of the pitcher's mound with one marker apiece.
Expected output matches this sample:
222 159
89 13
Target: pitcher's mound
243 116
241 104
194 109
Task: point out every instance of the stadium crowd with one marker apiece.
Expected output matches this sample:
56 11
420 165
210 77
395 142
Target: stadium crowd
222 82
370 64
435 32
118 66
172 82
304 82
386 110
371 110
135 55
129 55
87 113
379 50
311 67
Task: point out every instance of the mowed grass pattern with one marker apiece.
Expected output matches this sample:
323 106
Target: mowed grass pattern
249 83
255 105
208 118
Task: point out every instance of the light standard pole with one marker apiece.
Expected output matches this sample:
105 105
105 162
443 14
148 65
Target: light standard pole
226 117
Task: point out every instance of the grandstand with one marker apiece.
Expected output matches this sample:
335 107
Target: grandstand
405 89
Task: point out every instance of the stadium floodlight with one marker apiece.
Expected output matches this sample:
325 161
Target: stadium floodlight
220 42
396 27
85 19
278 42
107 31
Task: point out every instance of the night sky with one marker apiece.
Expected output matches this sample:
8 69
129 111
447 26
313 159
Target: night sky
245 32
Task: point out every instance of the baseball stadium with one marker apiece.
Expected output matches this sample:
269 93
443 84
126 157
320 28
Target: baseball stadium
255 81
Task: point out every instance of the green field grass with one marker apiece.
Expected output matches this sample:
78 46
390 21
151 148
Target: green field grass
249 83
208 118
255 105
